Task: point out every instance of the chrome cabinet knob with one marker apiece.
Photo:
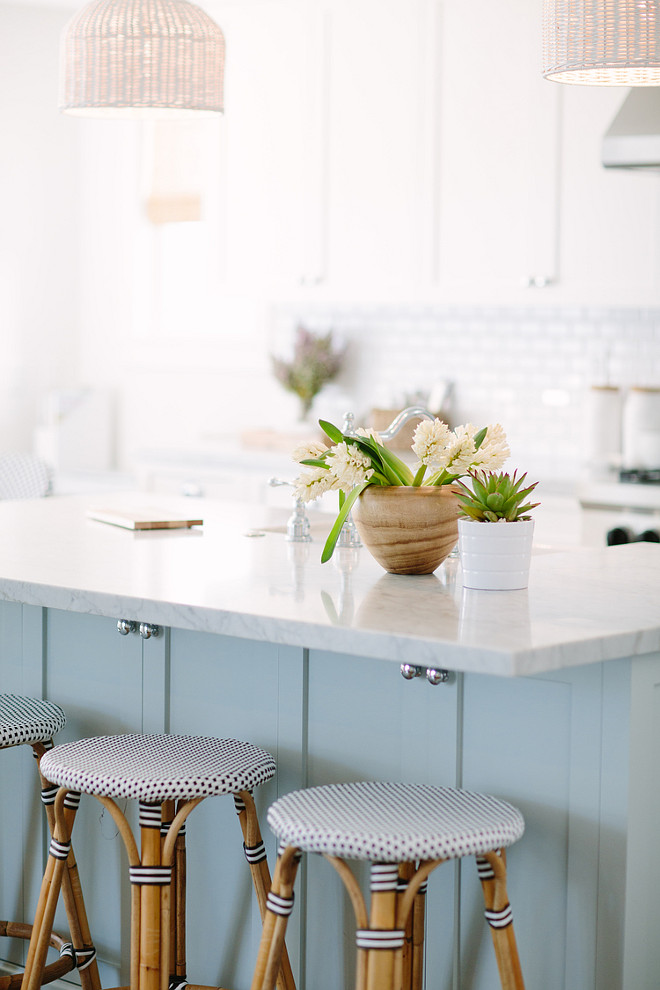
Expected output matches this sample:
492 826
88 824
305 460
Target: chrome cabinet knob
434 675
147 630
125 626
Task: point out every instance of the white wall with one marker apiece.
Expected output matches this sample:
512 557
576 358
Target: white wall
39 174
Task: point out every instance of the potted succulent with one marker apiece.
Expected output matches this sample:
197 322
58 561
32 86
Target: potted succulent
495 530
406 516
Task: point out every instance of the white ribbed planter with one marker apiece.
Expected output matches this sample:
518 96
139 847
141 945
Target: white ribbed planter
495 556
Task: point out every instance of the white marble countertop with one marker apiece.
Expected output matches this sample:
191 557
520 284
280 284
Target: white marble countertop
582 605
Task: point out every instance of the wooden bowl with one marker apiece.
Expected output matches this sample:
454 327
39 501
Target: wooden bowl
408 530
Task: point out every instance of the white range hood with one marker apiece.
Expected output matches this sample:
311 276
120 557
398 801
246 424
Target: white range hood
633 138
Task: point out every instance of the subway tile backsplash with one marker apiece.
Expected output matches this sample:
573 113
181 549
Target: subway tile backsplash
528 368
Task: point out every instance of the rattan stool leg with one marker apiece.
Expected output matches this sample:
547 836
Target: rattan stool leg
278 908
72 894
500 918
60 846
255 853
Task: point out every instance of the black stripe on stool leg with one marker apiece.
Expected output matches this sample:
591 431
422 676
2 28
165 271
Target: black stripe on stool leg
282 906
85 958
500 919
373 938
159 876
255 854
59 850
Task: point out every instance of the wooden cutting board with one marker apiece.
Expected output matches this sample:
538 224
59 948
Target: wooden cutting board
138 519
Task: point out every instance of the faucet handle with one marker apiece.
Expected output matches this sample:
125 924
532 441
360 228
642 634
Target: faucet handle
298 529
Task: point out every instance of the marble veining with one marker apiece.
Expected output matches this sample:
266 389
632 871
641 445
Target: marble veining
582 605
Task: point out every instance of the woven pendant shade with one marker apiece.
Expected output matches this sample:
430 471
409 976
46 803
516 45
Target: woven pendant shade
142 58
602 42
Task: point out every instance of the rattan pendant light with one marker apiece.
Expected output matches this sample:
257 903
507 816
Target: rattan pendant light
602 42
142 58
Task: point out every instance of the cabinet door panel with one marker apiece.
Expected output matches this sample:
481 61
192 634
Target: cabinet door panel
228 687
374 104
96 676
498 159
537 742
367 723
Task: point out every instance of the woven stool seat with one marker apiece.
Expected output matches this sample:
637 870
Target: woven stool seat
394 823
168 775
156 768
404 831
28 720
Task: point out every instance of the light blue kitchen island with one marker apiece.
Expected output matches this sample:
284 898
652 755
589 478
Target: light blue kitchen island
551 702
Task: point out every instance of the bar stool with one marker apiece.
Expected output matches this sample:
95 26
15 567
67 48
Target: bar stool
33 722
168 775
404 831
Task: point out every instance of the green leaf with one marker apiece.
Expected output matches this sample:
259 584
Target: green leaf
397 466
314 462
331 542
333 432
417 480
495 501
479 490
480 437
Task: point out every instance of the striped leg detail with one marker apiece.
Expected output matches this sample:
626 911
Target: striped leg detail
484 869
370 938
72 800
402 886
177 983
85 957
165 827
255 854
279 905
59 850
239 803
157 876
47 744
384 877
500 919
149 815
67 950
48 794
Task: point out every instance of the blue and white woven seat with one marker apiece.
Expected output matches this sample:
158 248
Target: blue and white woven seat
28 720
157 768
168 775
33 722
405 831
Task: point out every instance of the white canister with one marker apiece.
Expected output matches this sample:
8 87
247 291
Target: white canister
495 556
641 428
604 415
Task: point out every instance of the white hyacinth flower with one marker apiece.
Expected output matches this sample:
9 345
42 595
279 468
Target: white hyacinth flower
314 482
430 442
310 450
349 466
369 433
462 451
494 450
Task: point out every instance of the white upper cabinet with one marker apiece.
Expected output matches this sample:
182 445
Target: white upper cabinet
497 161
383 149
610 226
373 102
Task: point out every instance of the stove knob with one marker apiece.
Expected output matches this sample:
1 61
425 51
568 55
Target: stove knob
618 535
649 536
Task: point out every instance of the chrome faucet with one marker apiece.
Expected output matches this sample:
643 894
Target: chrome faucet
298 529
